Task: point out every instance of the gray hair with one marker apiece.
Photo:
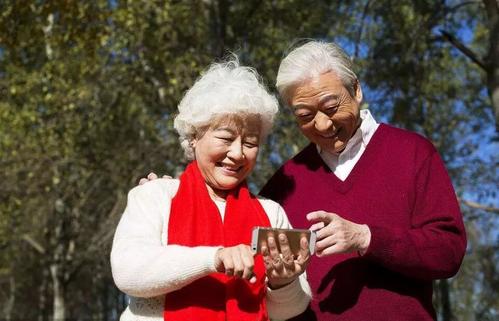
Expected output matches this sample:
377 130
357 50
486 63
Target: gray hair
311 60
223 89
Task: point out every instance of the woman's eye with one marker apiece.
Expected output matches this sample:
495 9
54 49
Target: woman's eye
250 144
225 139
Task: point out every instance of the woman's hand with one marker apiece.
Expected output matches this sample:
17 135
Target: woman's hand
236 261
284 267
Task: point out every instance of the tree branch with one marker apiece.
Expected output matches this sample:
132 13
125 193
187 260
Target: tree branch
465 50
462 4
479 206
361 28
37 246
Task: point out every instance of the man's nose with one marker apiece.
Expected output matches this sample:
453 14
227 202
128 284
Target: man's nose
322 122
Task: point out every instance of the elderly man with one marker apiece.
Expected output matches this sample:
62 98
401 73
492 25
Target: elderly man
384 209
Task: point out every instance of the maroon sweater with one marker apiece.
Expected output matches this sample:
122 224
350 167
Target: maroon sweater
401 190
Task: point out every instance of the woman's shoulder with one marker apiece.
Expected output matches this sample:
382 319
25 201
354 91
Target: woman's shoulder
266 202
157 188
275 212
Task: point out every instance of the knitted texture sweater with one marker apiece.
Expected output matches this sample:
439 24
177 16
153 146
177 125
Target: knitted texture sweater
401 190
146 267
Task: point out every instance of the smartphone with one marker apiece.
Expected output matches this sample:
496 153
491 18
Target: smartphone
260 234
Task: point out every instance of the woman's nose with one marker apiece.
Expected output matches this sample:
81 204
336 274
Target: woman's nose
322 122
236 150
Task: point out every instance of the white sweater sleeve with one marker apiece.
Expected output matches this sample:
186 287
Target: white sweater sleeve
141 263
293 299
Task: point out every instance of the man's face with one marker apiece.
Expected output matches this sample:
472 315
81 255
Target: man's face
325 111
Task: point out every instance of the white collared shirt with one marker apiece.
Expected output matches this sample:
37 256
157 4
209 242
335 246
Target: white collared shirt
341 165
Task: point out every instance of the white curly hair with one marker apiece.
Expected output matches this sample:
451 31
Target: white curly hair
223 89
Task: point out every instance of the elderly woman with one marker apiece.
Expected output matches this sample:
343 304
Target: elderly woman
181 250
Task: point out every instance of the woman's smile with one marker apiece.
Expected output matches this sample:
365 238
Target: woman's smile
230 169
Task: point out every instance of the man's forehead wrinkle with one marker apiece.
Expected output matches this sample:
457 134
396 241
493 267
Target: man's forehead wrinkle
327 97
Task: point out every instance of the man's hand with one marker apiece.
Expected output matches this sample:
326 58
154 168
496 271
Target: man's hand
283 267
151 177
337 235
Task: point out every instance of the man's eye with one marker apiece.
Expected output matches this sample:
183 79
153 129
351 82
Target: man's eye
305 117
331 110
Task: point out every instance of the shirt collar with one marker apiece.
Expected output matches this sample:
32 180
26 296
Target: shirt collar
368 126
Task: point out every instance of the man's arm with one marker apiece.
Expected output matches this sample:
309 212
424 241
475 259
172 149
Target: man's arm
432 248
435 245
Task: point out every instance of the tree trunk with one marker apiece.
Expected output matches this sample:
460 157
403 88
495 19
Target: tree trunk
104 302
443 287
492 60
42 299
218 20
59 313
9 306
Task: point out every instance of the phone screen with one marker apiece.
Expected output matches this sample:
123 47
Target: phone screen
294 236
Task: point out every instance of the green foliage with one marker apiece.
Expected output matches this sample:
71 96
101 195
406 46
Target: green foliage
89 89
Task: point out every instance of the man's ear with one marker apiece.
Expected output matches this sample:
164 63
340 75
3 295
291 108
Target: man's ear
358 92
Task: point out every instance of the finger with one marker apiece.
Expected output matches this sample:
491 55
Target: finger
284 245
166 177
267 260
274 253
248 263
326 243
143 181
272 245
287 255
304 254
278 264
317 226
228 265
268 265
333 249
288 263
152 176
326 231
238 264
320 216
264 248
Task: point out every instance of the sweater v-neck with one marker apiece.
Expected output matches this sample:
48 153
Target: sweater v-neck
334 181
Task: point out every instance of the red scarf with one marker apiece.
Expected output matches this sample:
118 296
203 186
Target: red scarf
196 221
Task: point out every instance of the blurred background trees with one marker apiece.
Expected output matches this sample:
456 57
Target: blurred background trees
88 92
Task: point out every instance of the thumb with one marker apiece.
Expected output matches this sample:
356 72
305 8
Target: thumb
319 216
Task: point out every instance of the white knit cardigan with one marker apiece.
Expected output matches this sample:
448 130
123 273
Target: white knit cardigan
145 268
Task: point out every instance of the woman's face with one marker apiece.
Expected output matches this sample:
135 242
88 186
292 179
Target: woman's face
226 153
